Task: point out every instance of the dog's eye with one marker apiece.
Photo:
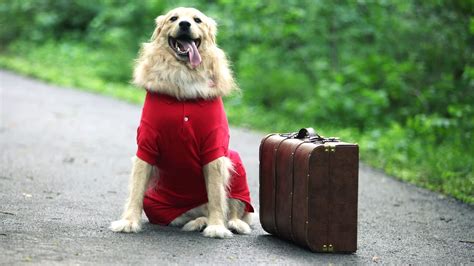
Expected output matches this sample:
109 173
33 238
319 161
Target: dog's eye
197 20
173 18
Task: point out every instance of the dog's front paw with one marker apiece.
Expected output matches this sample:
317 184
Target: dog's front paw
239 226
217 231
195 225
125 226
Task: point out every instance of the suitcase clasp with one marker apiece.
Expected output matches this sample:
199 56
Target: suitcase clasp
328 248
329 147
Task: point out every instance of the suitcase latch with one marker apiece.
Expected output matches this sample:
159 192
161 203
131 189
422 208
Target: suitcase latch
329 147
328 248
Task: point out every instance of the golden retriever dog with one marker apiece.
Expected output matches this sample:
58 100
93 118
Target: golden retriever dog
182 69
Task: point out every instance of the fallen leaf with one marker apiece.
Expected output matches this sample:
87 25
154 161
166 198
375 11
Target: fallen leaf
446 219
26 195
375 259
68 160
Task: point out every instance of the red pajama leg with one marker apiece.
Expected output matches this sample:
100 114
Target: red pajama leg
238 182
152 210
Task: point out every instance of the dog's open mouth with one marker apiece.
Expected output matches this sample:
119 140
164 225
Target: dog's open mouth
186 49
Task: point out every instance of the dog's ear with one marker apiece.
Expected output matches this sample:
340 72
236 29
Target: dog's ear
159 21
212 24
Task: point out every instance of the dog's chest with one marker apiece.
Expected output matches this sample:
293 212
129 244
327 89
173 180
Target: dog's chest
187 120
181 122
185 128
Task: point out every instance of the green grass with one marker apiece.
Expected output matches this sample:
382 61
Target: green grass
70 65
445 167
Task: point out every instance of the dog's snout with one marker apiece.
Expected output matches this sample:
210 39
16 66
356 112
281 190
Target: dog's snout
184 25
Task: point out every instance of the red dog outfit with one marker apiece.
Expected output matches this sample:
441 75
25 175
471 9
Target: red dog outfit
180 137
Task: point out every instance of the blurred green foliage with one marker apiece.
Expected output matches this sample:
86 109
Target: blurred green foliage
395 76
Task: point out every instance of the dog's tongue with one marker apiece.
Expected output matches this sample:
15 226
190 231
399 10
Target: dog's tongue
194 56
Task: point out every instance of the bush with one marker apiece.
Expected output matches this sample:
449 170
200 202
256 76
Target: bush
397 75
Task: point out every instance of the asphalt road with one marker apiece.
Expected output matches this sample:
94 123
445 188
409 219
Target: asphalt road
65 160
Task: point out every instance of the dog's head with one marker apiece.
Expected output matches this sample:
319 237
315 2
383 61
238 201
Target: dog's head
182 58
187 32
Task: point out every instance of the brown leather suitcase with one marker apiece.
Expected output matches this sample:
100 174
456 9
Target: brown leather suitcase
308 190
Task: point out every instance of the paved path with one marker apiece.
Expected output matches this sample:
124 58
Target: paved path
63 178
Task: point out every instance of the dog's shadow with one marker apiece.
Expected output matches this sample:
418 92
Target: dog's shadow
154 229
258 242
282 251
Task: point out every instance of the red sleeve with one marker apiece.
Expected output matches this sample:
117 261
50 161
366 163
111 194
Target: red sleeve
215 145
147 141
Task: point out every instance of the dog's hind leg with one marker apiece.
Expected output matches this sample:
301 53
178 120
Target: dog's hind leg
197 224
193 220
197 219
217 174
236 214
131 217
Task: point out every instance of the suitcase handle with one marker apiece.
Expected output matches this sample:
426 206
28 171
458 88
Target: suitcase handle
309 135
308 132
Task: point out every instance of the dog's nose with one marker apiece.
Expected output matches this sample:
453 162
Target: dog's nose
184 25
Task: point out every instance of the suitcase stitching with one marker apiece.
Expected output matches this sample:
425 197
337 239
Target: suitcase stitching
260 164
275 151
293 189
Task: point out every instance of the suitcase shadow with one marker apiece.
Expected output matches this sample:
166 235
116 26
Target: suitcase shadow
281 247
